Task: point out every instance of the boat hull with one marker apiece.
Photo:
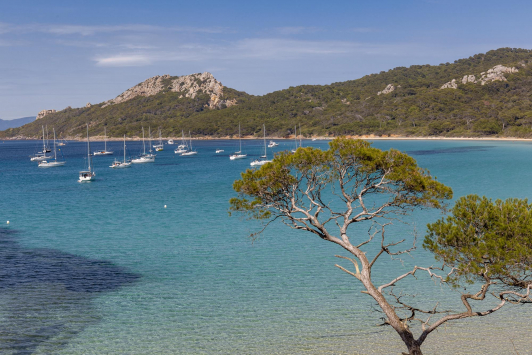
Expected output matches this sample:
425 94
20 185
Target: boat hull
86 176
51 164
102 153
40 158
238 156
259 162
120 165
143 160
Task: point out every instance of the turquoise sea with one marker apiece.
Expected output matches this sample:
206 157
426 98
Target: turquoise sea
105 268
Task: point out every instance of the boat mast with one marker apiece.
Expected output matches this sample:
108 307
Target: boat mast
43 143
300 137
55 152
143 144
124 148
295 135
190 135
105 139
264 130
240 138
88 148
149 137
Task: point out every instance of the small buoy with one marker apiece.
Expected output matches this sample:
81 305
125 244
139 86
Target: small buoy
164 207
7 222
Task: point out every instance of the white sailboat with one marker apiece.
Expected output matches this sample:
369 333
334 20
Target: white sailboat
144 158
272 144
238 155
87 175
104 151
295 139
182 148
118 164
40 156
47 146
159 147
55 162
191 151
300 137
264 158
218 151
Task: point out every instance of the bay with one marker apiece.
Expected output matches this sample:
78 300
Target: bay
105 268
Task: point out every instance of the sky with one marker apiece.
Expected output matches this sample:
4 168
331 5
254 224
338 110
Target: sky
55 54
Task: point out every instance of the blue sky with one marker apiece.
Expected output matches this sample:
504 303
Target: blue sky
55 54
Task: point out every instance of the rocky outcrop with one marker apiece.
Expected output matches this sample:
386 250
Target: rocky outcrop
450 85
468 79
44 113
188 85
494 74
388 89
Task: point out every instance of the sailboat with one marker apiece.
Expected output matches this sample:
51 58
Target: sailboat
159 147
191 151
87 175
144 158
238 155
120 165
46 149
295 139
55 162
300 137
182 147
264 159
104 151
272 144
41 155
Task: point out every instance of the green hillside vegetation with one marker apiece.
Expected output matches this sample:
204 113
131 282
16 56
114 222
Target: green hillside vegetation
417 107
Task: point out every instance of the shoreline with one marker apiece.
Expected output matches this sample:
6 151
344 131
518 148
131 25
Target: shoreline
318 138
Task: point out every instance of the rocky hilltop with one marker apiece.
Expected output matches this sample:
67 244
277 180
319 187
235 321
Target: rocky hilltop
43 113
188 85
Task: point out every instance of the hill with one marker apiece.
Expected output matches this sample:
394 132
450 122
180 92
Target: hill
483 95
17 122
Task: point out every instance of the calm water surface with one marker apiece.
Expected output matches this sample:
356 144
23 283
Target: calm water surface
104 268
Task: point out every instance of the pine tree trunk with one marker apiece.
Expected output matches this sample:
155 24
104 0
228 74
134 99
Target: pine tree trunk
414 348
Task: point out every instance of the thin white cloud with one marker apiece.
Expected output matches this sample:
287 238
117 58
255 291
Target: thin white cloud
252 49
82 43
64 30
124 60
92 30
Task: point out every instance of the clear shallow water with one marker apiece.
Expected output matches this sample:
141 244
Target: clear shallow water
104 268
